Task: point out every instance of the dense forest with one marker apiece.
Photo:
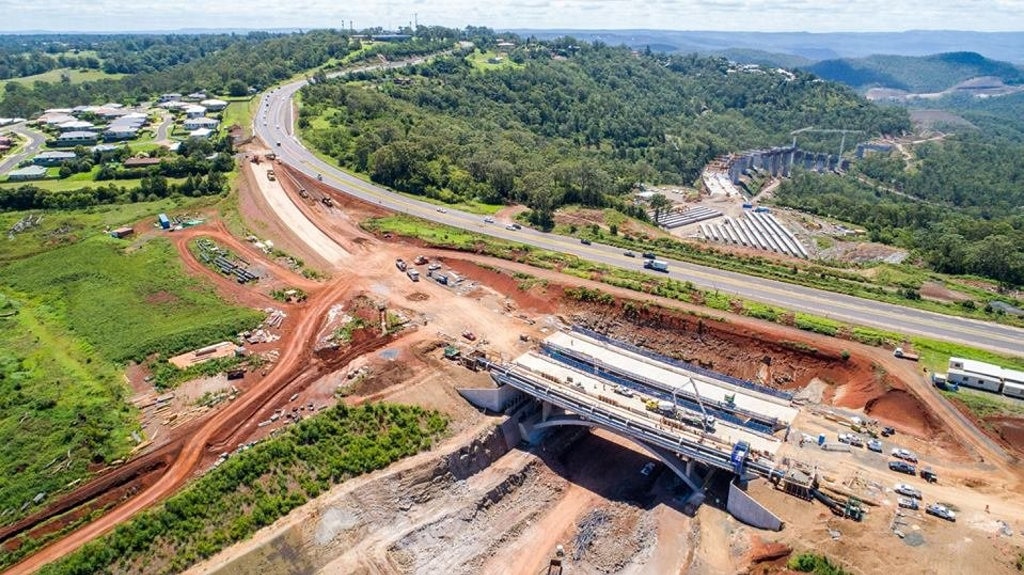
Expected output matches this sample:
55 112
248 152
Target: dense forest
959 206
565 122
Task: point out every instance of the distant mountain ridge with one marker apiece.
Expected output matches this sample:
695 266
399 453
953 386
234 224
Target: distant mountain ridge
1005 46
925 74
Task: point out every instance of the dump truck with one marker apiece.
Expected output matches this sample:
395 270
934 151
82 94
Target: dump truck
400 264
413 275
656 265
898 352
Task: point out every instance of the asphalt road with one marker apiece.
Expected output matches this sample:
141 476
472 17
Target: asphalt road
35 141
274 125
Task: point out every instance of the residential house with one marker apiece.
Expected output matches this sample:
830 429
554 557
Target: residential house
214 105
195 112
76 138
196 123
53 158
27 173
120 132
75 125
200 133
170 97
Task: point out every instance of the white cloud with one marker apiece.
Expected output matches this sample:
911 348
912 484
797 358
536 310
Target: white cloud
762 15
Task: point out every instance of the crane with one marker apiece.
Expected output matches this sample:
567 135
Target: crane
842 143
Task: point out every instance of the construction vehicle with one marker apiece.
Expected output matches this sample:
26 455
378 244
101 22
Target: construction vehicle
400 264
656 265
414 275
420 260
271 175
327 201
303 193
898 352
662 407
469 335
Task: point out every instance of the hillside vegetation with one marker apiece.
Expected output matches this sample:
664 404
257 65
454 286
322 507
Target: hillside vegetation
921 74
572 124
959 207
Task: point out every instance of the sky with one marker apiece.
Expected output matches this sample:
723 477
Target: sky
725 15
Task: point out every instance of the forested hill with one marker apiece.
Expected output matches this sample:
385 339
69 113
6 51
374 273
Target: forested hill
567 122
915 74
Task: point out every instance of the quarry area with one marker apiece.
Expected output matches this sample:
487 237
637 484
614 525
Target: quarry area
726 444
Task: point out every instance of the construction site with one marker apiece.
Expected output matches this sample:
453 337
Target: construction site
624 437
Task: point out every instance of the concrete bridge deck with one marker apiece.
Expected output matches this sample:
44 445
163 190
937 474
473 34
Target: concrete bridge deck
636 423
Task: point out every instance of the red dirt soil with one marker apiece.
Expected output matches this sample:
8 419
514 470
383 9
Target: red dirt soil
898 405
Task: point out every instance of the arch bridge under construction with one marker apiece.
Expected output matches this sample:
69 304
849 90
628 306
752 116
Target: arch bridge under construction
697 422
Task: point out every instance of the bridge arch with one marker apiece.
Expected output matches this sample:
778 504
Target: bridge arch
678 466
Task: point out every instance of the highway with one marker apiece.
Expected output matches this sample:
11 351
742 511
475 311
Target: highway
274 123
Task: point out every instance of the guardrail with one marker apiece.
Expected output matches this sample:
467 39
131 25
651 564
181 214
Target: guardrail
683 365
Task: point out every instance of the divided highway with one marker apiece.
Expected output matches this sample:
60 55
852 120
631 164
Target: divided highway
274 124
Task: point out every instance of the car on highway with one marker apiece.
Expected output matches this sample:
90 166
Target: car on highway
907 490
488 220
902 467
585 241
941 511
441 210
650 256
513 227
629 254
907 503
875 445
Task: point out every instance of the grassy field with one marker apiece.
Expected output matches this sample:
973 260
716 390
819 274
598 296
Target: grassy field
985 405
53 76
935 355
84 223
483 61
126 305
60 410
240 112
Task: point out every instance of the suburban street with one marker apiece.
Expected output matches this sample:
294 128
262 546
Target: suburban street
274 125
35 141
